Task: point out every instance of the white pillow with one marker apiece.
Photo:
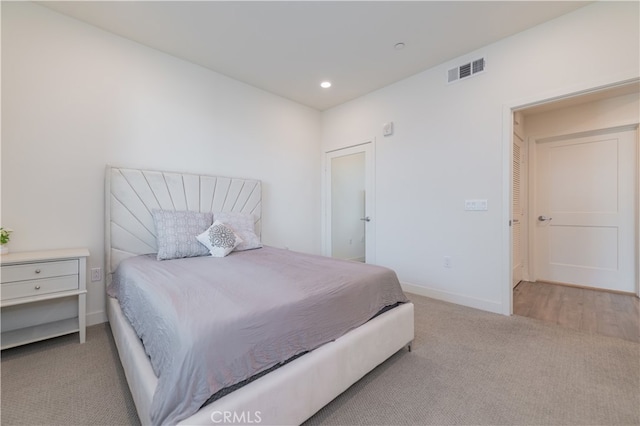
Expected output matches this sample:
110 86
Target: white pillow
219 239
243 224
176 233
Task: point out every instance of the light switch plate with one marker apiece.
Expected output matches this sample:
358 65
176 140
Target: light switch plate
476 205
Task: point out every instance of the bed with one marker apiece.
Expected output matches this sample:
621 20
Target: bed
289 394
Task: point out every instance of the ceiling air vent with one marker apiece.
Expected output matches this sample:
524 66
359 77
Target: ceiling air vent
467 70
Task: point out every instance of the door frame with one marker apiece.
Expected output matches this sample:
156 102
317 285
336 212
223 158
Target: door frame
368 148
508 109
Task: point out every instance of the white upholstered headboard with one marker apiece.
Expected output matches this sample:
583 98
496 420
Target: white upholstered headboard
131 195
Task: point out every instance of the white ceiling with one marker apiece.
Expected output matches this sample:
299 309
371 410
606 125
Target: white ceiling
288 48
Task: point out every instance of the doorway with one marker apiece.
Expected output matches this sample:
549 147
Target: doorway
349 203
606 102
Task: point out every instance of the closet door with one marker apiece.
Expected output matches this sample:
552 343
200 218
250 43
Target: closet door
350 203
517 209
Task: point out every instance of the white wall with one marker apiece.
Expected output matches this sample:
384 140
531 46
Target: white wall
595 115
75 98
448 146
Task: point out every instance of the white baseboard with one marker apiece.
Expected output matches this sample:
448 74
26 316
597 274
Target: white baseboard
94 318
485 305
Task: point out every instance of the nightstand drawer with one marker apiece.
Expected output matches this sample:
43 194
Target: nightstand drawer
39 287
33 271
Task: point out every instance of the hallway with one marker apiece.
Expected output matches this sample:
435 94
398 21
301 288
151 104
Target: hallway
593 311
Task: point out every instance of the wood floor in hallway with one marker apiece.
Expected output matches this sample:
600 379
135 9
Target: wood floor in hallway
598 312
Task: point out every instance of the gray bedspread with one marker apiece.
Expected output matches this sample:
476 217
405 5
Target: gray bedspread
208 323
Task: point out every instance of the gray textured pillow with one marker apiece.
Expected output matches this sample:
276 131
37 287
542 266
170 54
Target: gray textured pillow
176 233
219 239
243 224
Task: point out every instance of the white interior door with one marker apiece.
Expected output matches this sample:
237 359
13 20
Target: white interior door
349 203
585 208
517 210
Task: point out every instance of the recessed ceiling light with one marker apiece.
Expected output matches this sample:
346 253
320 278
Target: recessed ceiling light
399 46
325 84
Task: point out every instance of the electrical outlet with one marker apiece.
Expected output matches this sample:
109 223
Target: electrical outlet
447 262
96 274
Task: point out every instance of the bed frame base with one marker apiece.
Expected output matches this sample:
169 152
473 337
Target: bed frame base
292 393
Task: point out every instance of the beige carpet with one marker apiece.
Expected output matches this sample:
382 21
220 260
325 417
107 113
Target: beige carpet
467 367
61 382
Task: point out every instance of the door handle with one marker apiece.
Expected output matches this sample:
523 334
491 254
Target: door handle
544 218
366 219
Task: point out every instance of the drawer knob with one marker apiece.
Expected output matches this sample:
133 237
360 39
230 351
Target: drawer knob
37 271
37 287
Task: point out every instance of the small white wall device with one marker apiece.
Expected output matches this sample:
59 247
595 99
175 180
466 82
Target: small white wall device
387 128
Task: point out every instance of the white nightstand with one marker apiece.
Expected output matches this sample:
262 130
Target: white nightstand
33 285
